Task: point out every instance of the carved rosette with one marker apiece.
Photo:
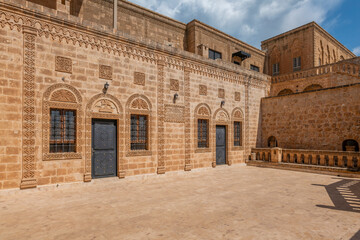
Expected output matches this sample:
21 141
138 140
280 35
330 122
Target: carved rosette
174 85
237 96
28 147
161 118
105 72
63 64
221 93
139 78
202 90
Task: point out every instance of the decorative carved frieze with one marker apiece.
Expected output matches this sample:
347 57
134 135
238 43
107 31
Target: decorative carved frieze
202 90
63 64
105 72
203 111
221 93
187 128
161 117
63 96
237 96
174 85
139 78
174 113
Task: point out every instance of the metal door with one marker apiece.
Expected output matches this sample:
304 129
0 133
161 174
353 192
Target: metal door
220 145
104 148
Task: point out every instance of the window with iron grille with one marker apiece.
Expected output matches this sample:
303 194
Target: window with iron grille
139 132
297 63
276 69
237 134
255 68
203 139
214 54
62 131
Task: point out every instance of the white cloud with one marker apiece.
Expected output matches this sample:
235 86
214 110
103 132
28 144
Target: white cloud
249 20
356 51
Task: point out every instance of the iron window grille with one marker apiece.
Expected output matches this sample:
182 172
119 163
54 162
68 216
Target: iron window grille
139 132
62 131
297 63
214 54
276 69
255 68
237 134
203 138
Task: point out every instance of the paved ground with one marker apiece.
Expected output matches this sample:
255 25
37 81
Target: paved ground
223 203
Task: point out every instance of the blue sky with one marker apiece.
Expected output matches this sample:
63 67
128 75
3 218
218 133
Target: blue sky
255 20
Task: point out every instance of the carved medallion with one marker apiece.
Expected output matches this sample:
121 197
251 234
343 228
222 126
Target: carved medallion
139 78
221 93
203 111
237 114
174 85
237 96
222 117
202 90
63 64
105 72
174 114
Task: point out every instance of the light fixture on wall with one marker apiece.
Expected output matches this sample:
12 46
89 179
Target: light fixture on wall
222 103
63 78
106 87
176 96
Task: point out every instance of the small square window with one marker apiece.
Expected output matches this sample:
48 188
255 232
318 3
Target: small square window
255 68
214 54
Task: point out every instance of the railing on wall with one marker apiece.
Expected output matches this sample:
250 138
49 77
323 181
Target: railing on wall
341 67
350 160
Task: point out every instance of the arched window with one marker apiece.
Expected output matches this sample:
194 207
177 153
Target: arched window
350 145
272 142
312 87
202 131
285 92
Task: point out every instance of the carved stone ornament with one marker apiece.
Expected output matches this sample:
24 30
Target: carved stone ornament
203 111
63 64
105 106
202 90
221 93
174 85
139 78
105 72
174 114
237 96
222 116
139 104
238 115
63 96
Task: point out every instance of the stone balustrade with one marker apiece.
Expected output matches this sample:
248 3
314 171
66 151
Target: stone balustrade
351 69
339 159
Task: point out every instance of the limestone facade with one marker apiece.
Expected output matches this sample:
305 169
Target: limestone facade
53 60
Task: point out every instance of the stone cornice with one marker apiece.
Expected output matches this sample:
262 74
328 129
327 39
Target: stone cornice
64 30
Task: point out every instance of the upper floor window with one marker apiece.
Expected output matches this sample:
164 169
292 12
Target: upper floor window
62 131
255 68
139 132
297 63
214 54
237 63
276 69
203 140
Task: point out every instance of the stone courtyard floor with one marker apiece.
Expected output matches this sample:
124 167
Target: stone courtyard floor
234 202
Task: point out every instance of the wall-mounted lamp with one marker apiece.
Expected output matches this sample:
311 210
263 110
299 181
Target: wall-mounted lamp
176 96
106 87
63 78
222 103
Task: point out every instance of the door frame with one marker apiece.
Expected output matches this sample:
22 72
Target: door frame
116 145
226 126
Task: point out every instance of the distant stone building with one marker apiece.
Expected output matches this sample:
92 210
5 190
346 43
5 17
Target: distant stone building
92 89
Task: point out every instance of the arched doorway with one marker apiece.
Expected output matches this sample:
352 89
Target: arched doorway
350 145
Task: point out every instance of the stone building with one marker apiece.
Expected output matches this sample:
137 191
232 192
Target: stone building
92 89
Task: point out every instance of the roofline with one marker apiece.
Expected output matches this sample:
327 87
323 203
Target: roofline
308 25
218 32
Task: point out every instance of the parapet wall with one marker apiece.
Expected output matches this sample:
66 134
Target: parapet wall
318 120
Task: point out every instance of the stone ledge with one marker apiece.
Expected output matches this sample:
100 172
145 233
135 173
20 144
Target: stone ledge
336 171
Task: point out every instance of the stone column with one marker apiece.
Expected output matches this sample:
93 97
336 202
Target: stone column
276 154
28 135
115 14
187 126
247 149
160 116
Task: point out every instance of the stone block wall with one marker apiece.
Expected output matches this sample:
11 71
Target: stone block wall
318 120
66 66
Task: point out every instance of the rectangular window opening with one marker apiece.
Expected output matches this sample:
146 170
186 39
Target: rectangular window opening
255 68
276 69
214 54
297 63
203 138
62 131
139 132
237 134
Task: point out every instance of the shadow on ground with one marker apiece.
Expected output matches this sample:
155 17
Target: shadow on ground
345 195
